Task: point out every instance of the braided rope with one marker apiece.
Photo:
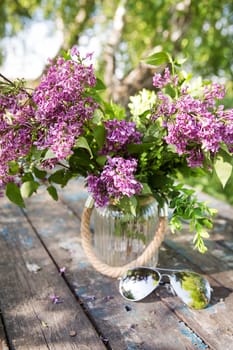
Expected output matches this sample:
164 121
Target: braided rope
117 271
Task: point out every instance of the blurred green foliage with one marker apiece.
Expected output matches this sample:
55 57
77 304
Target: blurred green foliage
211 185
201 30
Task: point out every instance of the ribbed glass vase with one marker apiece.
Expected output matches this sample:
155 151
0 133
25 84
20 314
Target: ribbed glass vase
120 238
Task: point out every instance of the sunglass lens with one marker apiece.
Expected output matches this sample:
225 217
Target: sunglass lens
137 283
193 289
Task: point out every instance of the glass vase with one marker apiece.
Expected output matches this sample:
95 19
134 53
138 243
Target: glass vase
120 238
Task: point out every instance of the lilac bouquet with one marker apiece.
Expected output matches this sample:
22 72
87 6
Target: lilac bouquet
64 129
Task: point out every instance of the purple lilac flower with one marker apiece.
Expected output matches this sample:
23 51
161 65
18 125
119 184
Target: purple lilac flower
193 125
116 180
74 51
75 54
98 190
188 104
195 134
212 92
195 158
62 270
227 127
161 80
56 299
210 133
120 133
182 132
165 107
54 118
62 108
16 131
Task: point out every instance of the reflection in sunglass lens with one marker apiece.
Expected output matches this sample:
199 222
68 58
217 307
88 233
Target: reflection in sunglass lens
138 283
193 289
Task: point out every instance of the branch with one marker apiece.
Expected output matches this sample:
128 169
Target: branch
112 45
14 86
6 79
139 78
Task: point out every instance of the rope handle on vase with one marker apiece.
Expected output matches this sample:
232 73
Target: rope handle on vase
117 271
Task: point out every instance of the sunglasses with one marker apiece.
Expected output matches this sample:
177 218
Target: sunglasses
193 289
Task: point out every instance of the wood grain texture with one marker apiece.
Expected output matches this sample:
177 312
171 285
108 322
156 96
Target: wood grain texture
137 325
32 320
214 324
47 234
3 341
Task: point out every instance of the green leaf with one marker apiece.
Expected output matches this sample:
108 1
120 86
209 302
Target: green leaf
65 55
53 192
37 154
99 84
133 205
207 223
180 60
40 174
199 243
80 162
49 155
13 167
223 171
82 143
146 189
158 58
101 160
175 224
170 91
27 177
224 153
139 148
100 134
14 194
97 116
28 188
60 177
128 205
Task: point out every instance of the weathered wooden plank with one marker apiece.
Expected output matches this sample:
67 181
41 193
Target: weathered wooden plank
224 209
125 325
3 341
211 324
75 196
217 263
32 319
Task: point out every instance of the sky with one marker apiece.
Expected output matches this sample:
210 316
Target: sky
28 52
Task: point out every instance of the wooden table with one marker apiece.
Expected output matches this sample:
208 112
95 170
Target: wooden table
42 307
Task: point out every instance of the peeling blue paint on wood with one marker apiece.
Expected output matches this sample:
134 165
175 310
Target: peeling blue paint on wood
97 312
7 206
19 235
184 310
5 232
46 232
83 265
133 346
214 309
22 235
7 235
195 340
80 291
27 241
